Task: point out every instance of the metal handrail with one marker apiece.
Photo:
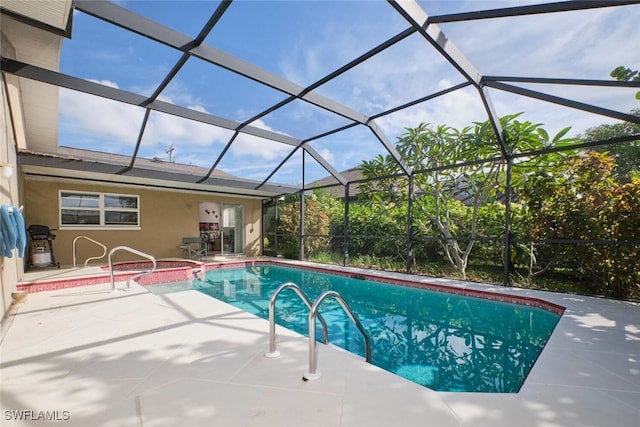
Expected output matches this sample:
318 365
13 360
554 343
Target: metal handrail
272 316
127 248
90 258
313 373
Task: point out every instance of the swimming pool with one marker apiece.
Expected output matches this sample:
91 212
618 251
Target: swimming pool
441 340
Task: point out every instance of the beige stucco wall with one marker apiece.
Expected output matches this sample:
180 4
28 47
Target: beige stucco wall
11 268
165 217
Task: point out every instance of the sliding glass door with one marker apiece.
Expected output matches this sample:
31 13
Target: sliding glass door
232 229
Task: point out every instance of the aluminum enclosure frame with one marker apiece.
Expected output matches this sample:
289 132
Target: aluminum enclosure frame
418 22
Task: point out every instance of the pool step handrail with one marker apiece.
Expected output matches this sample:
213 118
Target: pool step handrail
272 316
313 372
134 251
104 248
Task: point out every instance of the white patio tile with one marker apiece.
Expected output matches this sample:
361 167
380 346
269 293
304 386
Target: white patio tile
134 358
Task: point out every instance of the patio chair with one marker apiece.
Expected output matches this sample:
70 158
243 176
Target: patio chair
194 248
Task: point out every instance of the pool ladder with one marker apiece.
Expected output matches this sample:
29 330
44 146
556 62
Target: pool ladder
134 251
313 372
272 316
75 241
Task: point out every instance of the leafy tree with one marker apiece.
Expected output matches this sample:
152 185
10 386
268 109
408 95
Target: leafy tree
624 74
387 186
320 208
381 211
626 155
288 227
451 199
454 203
588 202
382 221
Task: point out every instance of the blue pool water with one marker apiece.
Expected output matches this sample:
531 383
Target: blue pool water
442 341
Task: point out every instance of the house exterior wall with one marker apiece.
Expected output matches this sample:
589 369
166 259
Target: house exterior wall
165 218
11 269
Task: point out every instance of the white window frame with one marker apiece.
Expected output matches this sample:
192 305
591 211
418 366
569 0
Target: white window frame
101 209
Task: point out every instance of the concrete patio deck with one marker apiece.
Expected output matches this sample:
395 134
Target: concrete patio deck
89 357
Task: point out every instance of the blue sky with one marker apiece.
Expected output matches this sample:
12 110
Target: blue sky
304 40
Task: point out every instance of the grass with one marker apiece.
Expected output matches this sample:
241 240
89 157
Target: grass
554 281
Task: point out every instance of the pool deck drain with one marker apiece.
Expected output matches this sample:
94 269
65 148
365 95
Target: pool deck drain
135 358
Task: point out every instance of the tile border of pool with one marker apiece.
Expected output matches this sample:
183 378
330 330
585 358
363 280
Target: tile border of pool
450 288
190 270
170 271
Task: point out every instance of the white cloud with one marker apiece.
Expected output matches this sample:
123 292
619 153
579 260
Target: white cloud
99 117
456 109
180 94
108 83
118 124
172 129
249 147
584 44
309 59
327 155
